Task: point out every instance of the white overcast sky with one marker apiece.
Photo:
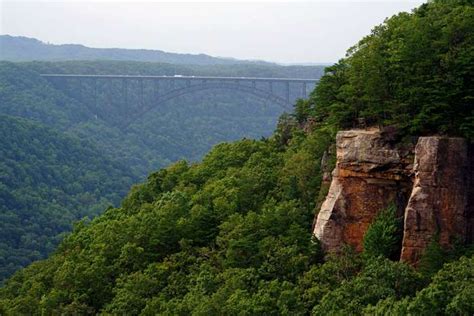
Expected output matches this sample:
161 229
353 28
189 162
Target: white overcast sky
287 32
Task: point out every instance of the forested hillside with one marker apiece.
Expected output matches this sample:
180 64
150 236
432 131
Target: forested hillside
232 234
165 69
47 181
184 128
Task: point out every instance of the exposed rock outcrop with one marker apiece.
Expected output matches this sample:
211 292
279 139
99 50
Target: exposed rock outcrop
434 191
440 206
370 173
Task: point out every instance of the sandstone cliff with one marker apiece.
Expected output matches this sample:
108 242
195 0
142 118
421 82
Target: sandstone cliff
369 175
440 206
431 185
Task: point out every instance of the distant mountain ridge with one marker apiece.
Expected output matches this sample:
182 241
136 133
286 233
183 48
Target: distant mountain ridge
19 48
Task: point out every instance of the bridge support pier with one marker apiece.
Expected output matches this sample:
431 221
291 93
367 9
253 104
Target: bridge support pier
95 97
156 89
140 83
125 92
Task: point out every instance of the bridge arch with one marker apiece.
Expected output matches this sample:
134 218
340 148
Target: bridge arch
194 84
169 95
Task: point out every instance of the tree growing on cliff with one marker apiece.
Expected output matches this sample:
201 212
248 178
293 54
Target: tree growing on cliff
383 235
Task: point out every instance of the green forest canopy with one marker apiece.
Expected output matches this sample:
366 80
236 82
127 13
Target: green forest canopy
62 159
231 235
47 181
414 72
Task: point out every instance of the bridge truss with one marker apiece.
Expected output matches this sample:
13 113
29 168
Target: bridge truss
281 91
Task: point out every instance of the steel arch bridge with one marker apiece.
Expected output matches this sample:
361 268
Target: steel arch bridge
280 91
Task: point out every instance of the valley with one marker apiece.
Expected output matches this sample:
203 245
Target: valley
358 200
184 128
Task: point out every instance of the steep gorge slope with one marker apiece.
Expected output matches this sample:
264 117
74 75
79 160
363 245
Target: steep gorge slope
232 234
48 181
184 128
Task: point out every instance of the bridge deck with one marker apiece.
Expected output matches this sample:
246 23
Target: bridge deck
181 78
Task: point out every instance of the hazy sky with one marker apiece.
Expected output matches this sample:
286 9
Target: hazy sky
289 32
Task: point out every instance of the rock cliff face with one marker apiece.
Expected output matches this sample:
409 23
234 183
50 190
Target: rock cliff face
369 175
432 187
440 206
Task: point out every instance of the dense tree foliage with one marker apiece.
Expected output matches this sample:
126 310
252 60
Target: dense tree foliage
184 128
217 232
48 181
232 234
414 72
450 293
383 235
